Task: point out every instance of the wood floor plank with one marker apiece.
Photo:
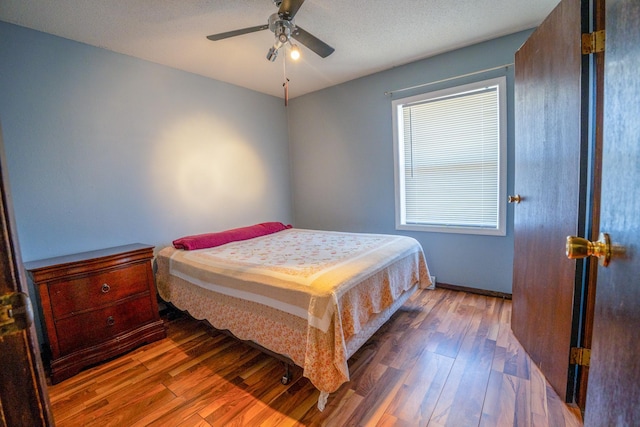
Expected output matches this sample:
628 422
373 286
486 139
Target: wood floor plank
184 409
390 421
416 400
463 395
193 421
539 407
236 403
130 411
408 348
420 305
288 409
522 413
337 412
505 393
446 358
151 417
376 397
200 353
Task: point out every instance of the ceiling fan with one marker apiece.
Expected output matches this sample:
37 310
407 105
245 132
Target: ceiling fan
283 26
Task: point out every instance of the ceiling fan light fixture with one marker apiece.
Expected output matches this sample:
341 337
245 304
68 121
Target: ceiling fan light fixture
272 54
273 51
295 52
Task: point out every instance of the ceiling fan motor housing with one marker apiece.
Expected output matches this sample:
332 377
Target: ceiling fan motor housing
282 28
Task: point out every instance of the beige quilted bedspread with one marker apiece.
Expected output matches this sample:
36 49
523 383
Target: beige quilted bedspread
300 293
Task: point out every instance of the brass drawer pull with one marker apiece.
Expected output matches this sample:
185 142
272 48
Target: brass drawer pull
111 321
105 288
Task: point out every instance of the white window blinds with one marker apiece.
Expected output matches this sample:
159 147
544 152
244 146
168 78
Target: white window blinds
449 147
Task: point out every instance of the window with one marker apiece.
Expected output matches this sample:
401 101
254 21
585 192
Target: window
450 153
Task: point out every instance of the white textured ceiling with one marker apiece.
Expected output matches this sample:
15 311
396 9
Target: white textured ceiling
368 35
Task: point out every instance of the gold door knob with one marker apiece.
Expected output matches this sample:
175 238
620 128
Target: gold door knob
515 199
578 247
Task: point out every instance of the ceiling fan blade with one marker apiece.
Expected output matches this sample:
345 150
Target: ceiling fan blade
312 42
240 32
289 8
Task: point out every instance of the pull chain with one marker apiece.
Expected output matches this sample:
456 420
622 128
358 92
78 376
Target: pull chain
286 80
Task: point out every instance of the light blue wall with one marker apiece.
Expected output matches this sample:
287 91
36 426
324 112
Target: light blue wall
341 150
104 149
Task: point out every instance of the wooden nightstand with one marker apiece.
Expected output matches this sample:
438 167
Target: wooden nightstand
96 305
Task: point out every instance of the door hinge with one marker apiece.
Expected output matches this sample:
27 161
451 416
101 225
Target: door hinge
580 356
16 313
593 42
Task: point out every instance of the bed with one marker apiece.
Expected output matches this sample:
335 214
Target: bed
311 296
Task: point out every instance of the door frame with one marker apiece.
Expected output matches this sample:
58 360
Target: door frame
593 128
614 389
23 394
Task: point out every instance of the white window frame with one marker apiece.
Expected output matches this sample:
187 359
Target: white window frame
398 143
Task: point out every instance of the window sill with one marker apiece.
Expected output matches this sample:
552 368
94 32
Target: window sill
452 229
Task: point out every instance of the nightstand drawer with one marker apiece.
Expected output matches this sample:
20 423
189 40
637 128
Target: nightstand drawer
96 290
96 326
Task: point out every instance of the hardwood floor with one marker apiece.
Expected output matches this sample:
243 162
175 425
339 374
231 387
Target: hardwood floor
446 358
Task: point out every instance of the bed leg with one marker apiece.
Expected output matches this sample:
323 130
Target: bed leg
286 378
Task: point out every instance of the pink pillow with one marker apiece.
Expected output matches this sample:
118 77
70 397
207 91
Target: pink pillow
210 240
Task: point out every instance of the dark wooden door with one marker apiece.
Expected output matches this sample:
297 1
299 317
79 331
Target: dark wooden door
23 395
614 379
549 148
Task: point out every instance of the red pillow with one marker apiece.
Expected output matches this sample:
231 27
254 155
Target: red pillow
210 240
